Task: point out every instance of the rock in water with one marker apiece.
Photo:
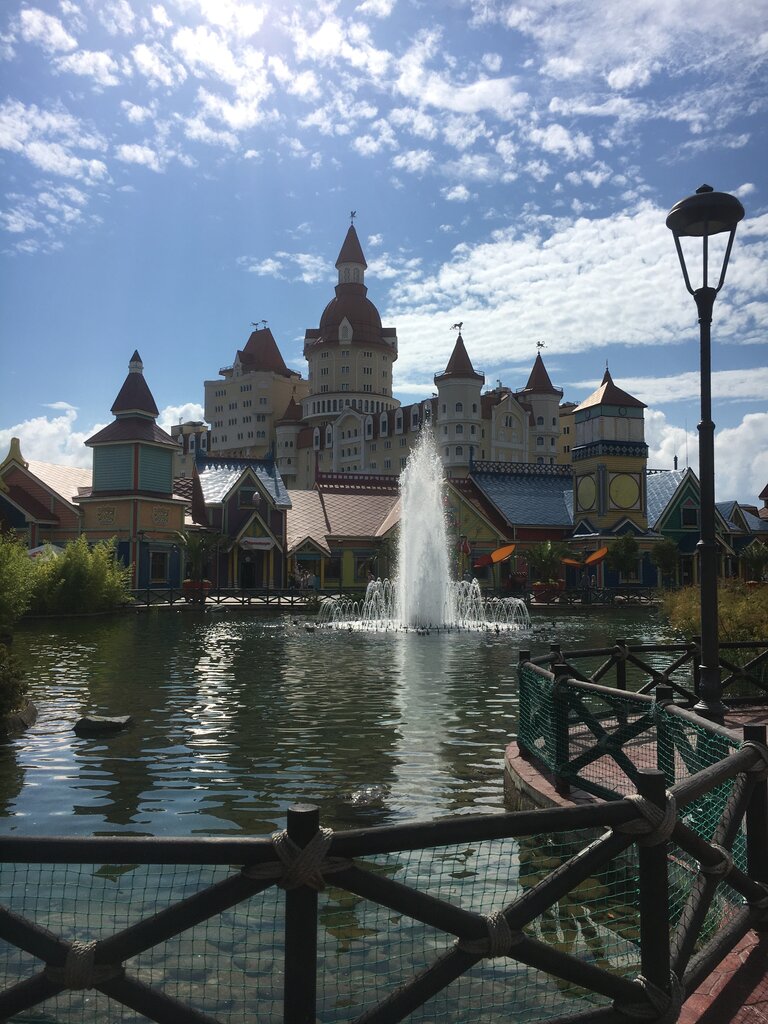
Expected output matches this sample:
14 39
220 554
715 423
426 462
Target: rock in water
101 725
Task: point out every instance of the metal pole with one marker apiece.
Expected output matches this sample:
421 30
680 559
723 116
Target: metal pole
300 979
710 704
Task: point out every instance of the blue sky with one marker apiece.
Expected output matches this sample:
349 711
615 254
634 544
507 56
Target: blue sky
173 171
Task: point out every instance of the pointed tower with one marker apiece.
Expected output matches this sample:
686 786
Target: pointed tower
459 415
132 493
243 407
543 399
609 458
287 430
350 354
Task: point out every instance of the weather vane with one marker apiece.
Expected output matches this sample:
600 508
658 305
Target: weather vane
458 326
541 344
352 215
261 323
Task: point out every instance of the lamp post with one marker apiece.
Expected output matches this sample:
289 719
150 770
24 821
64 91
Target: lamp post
702 215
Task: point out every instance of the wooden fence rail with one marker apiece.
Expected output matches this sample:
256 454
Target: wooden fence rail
305 857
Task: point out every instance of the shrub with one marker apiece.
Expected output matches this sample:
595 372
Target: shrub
13 686
80 580
623 554
742 611
16 580
665 556
545 559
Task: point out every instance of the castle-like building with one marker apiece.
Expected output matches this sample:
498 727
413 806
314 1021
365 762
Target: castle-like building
343 418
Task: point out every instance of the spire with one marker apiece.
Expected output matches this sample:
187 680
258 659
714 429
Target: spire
609 394
459 365
262 354
351 250
134 397
539 382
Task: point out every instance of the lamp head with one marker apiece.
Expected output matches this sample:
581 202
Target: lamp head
702 215
706 212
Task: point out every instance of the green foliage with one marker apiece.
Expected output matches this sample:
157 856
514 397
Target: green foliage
13 686
199 546
623 554
665 556
16 580
742 611
81 580
755 560
544 559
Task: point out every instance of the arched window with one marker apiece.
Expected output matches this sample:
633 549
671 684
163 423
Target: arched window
459 407
539 440
328 436
383 425
459 450
346 273
539 421
459 428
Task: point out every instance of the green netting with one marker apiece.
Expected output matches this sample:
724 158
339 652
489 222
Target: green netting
231 966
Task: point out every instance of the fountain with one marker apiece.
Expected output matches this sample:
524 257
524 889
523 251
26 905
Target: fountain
423 596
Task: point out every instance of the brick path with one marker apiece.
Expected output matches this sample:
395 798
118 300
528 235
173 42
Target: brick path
736 992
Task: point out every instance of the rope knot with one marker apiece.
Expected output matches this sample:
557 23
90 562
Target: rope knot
659 1006
499 941
302 865
760 767
80 971
724 866
656 824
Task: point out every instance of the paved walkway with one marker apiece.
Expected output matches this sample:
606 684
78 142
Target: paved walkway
736 992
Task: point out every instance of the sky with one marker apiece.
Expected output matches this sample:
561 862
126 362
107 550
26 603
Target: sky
173 172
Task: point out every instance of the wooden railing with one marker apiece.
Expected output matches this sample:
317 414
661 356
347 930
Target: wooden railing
667 963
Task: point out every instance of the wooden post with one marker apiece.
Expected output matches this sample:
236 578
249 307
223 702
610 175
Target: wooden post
621 667
757 817
300 979
654 892
560 726
665 746
525 711
696 664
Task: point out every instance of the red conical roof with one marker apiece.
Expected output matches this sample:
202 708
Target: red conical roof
134 396
539 382
460 365
351 250
609 394
292 413
262 354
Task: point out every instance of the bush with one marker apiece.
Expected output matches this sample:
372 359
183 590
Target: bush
16 580
13 686
80 580
742 611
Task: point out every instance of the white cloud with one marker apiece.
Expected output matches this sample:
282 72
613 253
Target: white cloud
157 66
36 26
377 8
100 66
52 439
557 139
727 385
136 154
456 194
375 240
739 478
173 414
160 16
236 18
415 161
116 16
135 113
492 61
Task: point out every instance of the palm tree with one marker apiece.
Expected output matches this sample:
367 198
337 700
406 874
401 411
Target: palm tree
544 559
198 547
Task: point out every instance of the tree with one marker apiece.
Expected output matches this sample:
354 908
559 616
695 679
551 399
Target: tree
16 580
665 556
755 560
544 559
199 546
81 580
623 554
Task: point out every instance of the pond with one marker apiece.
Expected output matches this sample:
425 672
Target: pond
237 717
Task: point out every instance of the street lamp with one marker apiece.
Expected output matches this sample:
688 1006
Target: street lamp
702 215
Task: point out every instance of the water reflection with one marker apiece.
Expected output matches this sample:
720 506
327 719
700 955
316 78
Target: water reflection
237 718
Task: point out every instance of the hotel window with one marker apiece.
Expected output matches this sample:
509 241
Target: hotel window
459 450
387 463
459 407
459 428
539 421
539 441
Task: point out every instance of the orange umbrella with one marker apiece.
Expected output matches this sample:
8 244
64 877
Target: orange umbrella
572 561
596 556
501 553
